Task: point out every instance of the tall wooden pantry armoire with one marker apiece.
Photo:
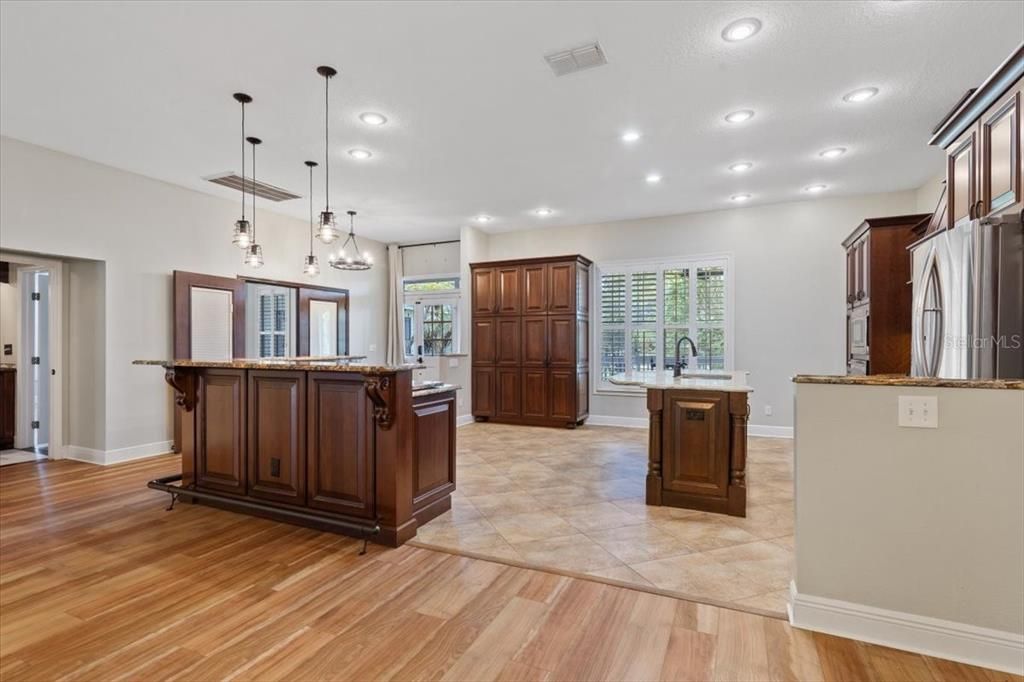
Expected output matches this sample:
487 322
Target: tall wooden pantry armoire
531 341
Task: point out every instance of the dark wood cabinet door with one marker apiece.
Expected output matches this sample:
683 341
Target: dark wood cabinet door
562 287
510 293
340 435
433 466
582 392
535 288
277 436
562 341
507 348
485 291
562 394
695 449
484 340
582 289
1000 154
535 393
508 395
961 177
851 276
864 269
220 422
535 341
8 381
483 392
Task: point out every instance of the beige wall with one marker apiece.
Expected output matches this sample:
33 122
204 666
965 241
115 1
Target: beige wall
143 229
789 279
928 522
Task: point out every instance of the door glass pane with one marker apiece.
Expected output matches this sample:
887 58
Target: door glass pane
409 327
437 328
644 297
323 327
644 349
613 352
677 297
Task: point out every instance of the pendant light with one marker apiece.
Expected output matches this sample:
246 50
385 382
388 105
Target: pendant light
328 230
243 231
254 254
356 259
312 266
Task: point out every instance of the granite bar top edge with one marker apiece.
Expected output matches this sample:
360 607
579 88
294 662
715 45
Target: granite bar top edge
900 380
434 390
307 365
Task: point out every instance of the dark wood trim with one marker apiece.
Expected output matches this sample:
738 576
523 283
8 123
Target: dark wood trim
307 294
5 272
182 331
530 261
890 221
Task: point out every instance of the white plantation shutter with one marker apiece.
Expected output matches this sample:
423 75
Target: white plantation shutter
212 317
612 338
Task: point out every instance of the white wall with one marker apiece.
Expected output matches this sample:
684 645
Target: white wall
143 229
789 277
85 362
430 259
928 193
472 249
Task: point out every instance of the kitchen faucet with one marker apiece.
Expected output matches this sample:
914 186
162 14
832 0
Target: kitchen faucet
677 370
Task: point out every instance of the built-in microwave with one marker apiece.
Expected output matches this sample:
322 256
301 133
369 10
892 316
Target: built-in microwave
857 333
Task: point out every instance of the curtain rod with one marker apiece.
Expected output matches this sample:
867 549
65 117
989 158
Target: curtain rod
410 246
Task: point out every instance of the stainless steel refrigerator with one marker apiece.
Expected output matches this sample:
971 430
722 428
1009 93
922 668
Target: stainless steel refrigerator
968 302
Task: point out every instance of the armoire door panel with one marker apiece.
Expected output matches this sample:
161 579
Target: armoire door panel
221 419
582 341
562 394
485 291
582 289
509 342
340 435
535 288
582 391
562 340
484 340
277 436
535 341
483 391
562 287
510 292
535 393
508 393
433 467
696 448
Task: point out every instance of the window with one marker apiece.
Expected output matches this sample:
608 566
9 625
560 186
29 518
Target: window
647 307
430 316
271 322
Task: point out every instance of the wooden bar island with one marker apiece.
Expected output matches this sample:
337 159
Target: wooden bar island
341 447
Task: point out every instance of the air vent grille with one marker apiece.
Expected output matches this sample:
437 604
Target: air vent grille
576 59
262 189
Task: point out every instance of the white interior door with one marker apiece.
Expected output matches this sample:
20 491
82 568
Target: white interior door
39 319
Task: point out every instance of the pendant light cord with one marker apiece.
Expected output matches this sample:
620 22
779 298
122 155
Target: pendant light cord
243 160
310 210
254 193
327 161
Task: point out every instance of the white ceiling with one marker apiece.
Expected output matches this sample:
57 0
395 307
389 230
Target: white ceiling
478 123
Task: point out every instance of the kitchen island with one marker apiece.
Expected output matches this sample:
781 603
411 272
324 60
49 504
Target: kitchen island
341 447
697 448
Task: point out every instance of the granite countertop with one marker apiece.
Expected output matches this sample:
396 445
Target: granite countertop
317 364
701 380
903 380
433 390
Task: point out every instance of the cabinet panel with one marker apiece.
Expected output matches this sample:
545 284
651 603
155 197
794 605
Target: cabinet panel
562 392
510 292
508 340
8 380
484 340
562 287
485 291
562 341
483 392
434 442
695 451
340 436
535 393
961 175
582 391
508 396
582 289
277 436
535 341
535 287
1000 155
582 341
220 456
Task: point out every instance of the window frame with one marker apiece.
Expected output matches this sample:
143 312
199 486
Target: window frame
658 265
418 299
259 290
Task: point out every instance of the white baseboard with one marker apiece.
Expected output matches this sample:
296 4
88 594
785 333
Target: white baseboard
764 431
464 419
105 458
627 422
971 644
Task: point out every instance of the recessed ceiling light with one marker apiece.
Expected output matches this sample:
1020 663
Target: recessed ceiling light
861 95
361 154
630 136
653 178
814 189
372 118
740 116
543 211
741 167
483 218
740 198
741 29
832 152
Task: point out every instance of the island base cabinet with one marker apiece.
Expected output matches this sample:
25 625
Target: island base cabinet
433 464
698 446
277 436
220 415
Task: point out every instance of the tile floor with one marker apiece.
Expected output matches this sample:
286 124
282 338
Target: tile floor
574 500
19 456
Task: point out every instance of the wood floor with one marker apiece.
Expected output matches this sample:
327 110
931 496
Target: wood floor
98 582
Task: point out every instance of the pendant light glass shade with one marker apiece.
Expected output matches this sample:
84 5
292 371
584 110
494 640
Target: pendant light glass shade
242 234
312 265
254 256
353 259
243 231
328 230
254 252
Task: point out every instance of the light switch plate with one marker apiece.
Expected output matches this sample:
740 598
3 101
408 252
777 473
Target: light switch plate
919 411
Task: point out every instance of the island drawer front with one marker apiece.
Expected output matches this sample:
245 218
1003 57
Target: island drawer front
696 443
340 474
220 431
277 436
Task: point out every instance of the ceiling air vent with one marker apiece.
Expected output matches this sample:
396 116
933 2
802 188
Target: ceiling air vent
262 189
576 59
